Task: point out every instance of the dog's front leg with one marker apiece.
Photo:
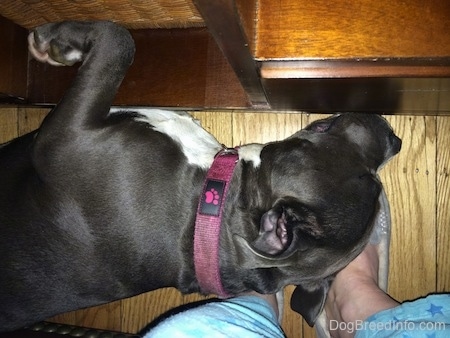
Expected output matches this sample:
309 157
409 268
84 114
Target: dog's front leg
106 50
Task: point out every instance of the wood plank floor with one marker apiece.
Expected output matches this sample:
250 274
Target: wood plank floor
417 183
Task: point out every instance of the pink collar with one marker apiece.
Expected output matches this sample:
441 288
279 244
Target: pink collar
207 223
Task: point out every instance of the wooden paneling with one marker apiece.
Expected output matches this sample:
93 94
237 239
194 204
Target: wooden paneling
13 59
443 204
30 118
417 185
292 29
411 189
264 126
8 124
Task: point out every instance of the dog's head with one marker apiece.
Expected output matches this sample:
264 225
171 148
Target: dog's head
323 191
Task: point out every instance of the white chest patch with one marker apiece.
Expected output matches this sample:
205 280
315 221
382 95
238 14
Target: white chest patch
197 144
251 153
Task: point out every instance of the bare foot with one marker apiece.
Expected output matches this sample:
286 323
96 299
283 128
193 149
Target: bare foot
354 294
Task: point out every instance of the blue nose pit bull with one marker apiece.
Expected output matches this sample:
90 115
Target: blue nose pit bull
99 205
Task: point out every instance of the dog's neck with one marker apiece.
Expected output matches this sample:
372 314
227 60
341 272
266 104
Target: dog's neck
208 221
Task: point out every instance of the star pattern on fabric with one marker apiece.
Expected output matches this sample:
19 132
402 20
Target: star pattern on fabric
434 309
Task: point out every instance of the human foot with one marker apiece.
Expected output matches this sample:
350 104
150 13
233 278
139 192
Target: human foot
354 294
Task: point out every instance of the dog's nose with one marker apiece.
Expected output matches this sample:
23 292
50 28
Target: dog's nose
396 143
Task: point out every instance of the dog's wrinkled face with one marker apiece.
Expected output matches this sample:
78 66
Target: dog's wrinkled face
324 192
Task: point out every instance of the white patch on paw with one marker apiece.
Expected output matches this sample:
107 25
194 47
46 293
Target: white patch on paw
251 153
197 144
73 56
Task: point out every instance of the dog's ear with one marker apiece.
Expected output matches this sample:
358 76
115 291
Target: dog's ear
289 227
310 303
321 126
249 258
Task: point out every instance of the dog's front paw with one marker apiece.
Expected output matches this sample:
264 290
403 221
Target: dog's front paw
46 46
66 43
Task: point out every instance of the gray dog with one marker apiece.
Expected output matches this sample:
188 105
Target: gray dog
102 204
